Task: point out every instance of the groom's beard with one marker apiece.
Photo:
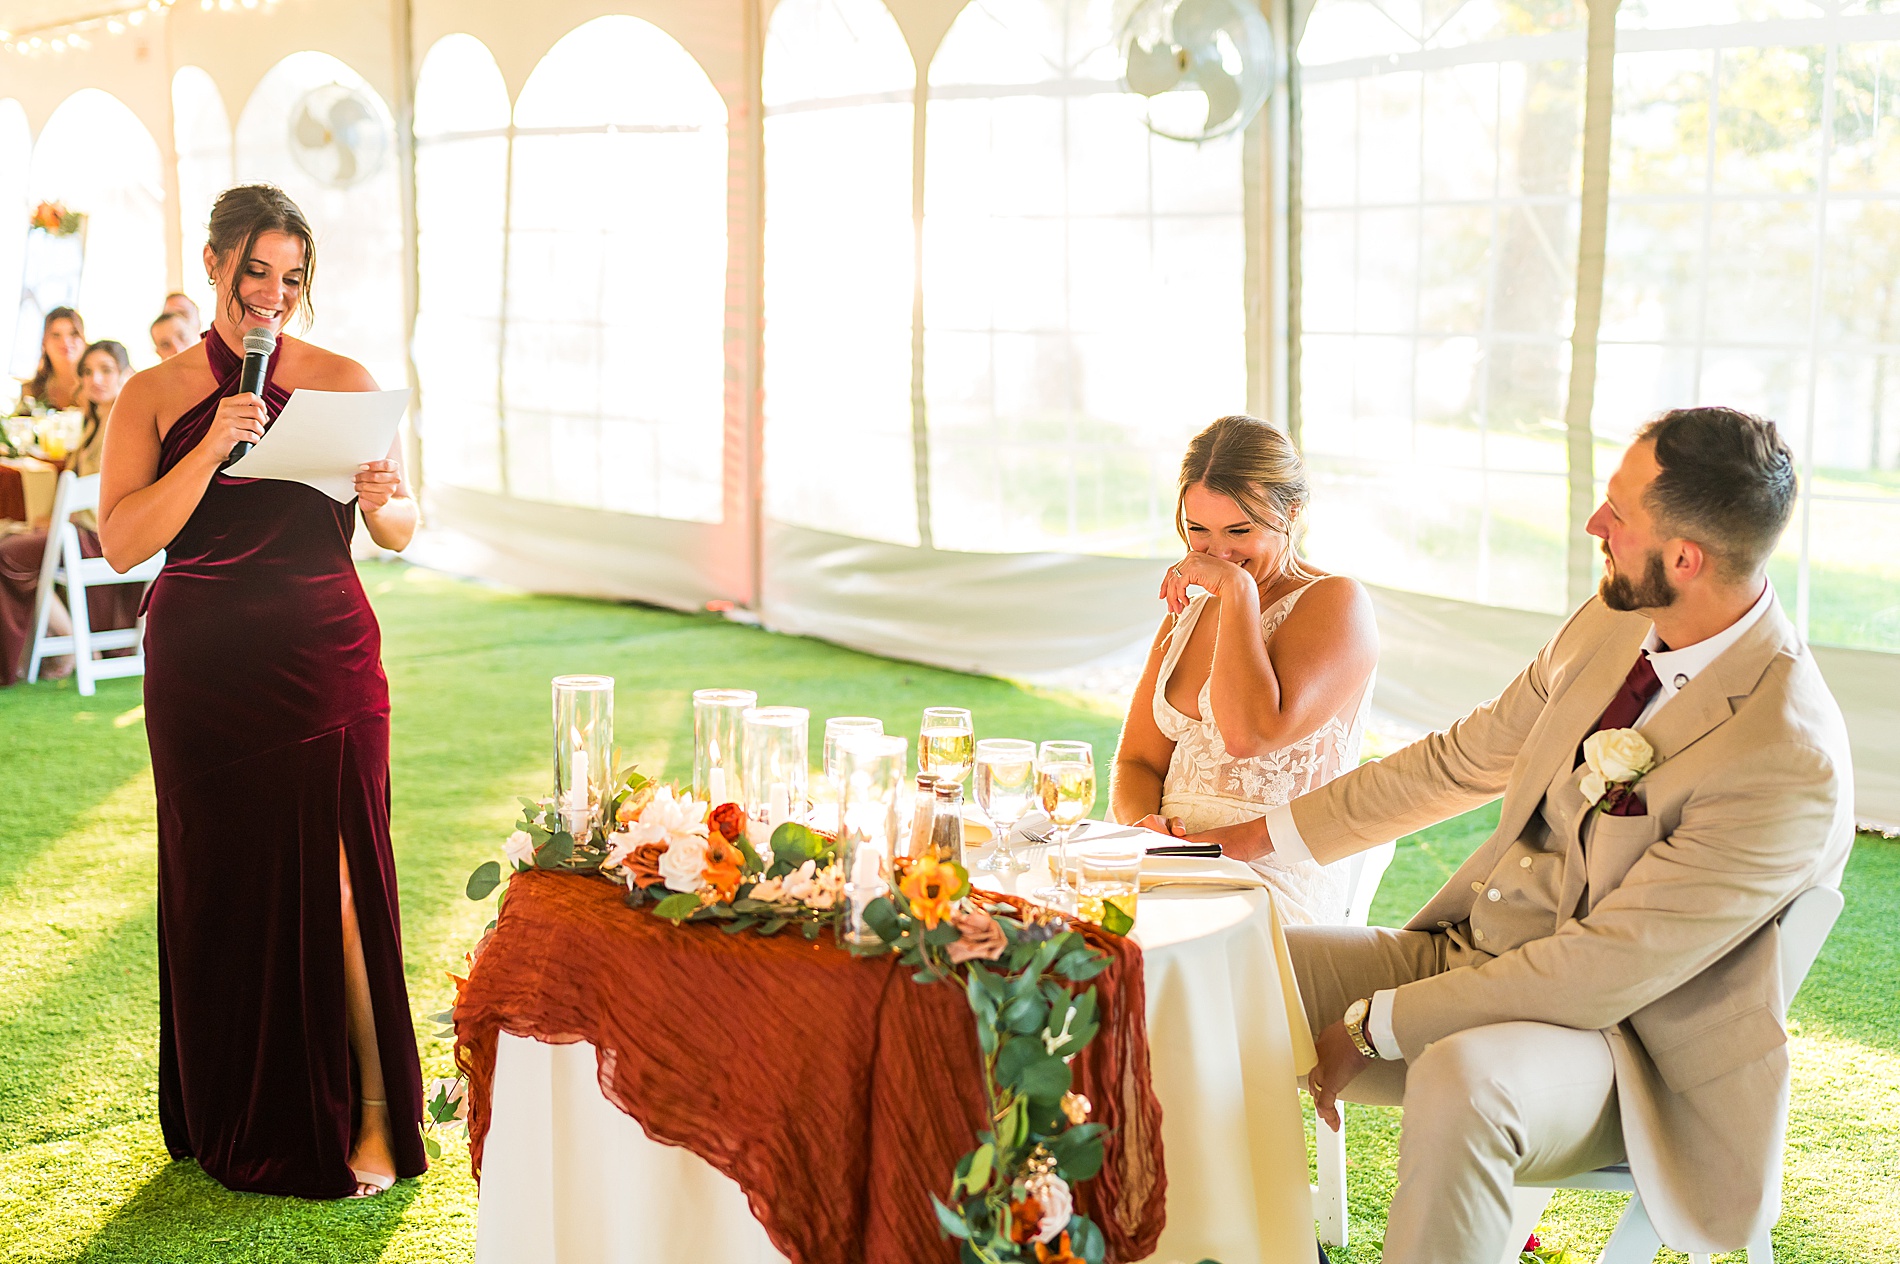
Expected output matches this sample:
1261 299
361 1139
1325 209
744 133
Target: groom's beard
1620 592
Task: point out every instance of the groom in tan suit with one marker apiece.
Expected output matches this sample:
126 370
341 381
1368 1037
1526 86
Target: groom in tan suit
1599 982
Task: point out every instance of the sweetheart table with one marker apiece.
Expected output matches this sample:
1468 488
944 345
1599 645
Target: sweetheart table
567 1178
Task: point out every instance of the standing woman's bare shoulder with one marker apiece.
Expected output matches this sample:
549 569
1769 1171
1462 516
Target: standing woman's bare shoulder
308 365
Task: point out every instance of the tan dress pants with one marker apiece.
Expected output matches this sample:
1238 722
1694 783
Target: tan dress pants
1484 1108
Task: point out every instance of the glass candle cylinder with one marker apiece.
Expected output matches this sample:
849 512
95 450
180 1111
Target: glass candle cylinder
777 765
871 773
717 719
828 810
583 751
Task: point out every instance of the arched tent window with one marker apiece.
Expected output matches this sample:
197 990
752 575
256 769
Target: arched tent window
840 269
1756 263
201 131
95 156
461 208
16 157
1440 161
316 129
614 365
1083 289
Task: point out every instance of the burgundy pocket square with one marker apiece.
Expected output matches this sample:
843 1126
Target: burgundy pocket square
1623 801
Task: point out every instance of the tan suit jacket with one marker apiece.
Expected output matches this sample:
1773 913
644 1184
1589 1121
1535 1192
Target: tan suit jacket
1656 929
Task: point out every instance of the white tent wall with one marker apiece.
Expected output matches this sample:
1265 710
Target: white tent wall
1022 613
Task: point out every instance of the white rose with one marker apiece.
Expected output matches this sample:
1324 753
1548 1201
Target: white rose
768 890
684 864
1057 1203
1594 787
519 848
798 885
1618 754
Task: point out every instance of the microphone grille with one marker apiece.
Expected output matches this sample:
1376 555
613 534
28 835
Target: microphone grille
260 342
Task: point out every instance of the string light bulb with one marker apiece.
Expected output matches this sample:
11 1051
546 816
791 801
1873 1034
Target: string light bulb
63 37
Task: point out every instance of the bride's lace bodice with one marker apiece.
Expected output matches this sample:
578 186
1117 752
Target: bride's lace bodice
1206 787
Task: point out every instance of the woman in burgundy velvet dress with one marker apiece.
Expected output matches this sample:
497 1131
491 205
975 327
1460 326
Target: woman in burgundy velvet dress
287 1063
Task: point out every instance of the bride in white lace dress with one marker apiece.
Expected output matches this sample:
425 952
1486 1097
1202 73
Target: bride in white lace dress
1256 691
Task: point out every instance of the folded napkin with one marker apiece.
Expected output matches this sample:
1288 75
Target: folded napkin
1209 873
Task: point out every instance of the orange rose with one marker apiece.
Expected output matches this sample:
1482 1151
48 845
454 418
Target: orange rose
643 864
728 819
932 887
1059 1253
725 867
1025 1218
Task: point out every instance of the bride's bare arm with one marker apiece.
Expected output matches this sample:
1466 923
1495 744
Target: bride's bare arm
1142 755
1265 697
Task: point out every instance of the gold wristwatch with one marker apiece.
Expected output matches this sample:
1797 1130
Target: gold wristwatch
1356 1027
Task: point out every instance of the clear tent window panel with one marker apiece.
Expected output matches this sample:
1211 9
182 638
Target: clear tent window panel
19 332
316 129
613 368
1441 150
462 116
1084 313
1754 241
201 131
840 270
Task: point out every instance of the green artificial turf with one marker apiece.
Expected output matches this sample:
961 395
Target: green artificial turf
84 1175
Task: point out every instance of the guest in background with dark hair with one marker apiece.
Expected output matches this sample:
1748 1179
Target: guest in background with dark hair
172 333
180 305
102 370
55 383
287 1060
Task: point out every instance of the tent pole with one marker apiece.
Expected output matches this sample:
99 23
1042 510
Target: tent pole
403 18
1593 231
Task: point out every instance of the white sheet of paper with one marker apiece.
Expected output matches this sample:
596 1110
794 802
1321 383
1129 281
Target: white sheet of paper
322 437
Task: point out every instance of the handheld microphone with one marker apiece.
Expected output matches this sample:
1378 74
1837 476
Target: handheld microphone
258 346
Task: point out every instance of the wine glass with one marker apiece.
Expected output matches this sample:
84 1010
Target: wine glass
945 743
1005 790
1065 782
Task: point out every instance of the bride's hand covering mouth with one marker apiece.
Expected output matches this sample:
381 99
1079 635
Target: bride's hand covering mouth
1199 570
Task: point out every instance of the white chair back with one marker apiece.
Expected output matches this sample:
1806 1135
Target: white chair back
65 565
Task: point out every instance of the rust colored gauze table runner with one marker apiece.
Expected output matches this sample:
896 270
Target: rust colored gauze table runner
838 1093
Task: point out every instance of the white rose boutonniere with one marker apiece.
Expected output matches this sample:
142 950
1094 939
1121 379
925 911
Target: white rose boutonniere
1617 759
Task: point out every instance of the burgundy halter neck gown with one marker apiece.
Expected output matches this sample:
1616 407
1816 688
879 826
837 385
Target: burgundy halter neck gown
268 716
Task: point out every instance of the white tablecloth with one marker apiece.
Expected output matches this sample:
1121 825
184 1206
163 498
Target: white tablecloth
568 1179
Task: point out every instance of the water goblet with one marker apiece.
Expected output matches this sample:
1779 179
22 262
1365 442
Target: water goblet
1005 790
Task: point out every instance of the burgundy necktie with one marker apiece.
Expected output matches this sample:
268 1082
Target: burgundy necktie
1639 687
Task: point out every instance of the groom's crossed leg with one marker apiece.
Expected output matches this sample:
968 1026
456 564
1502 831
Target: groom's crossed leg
1484 1108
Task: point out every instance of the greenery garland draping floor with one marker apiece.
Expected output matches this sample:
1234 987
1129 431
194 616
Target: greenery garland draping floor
84 1176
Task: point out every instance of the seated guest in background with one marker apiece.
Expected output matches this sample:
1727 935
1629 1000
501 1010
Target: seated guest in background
1600 981
181 305
103 367
1256 690
172 333
55 383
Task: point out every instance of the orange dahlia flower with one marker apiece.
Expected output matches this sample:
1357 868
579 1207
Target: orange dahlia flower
725 867
932 887
1059 1253
1025 1219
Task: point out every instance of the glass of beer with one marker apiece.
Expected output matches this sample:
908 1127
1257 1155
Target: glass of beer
946 743
1005 789
1111 879
1065 784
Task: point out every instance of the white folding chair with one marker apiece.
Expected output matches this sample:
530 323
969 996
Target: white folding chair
65 565
1805 924
1363 873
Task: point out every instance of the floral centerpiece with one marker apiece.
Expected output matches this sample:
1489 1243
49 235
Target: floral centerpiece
55 219
1025 972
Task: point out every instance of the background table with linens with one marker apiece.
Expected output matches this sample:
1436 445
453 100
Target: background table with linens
568 1178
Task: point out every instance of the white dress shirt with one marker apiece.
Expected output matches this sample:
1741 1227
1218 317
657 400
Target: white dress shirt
1674 668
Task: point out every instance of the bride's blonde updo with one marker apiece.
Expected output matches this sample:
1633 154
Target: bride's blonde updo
1253 463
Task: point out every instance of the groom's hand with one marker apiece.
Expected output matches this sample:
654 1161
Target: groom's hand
1340 1063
